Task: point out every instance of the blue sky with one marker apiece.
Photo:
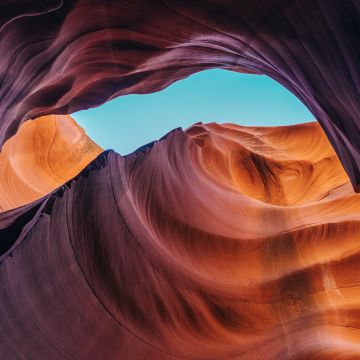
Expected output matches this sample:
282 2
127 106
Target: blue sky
221 96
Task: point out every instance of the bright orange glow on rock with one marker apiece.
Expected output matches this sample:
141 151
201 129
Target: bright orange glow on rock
43 155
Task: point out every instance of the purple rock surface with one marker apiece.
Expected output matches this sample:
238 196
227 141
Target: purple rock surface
64 56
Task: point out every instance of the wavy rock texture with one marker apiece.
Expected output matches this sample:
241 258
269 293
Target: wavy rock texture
44 154
224 242
60 56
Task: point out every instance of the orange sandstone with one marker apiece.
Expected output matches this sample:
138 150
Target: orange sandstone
224 242
44 154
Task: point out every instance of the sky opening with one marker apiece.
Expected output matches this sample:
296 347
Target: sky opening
128 122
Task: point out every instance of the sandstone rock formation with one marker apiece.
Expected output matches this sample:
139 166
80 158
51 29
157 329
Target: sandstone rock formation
221 242
44 154
60 56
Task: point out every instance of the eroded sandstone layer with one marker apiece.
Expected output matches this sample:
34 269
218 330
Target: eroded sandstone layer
44 154
221 242
61 56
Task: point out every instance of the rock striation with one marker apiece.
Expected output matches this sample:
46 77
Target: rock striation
220 242
43 155
61 56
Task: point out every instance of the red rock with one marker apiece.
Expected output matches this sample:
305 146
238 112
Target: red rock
172 253
64 56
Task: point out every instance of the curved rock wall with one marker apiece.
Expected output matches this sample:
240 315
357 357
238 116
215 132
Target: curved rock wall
44 154
170 253
60 56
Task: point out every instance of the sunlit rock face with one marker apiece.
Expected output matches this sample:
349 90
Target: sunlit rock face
288 165
44 154
60 56
221 242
